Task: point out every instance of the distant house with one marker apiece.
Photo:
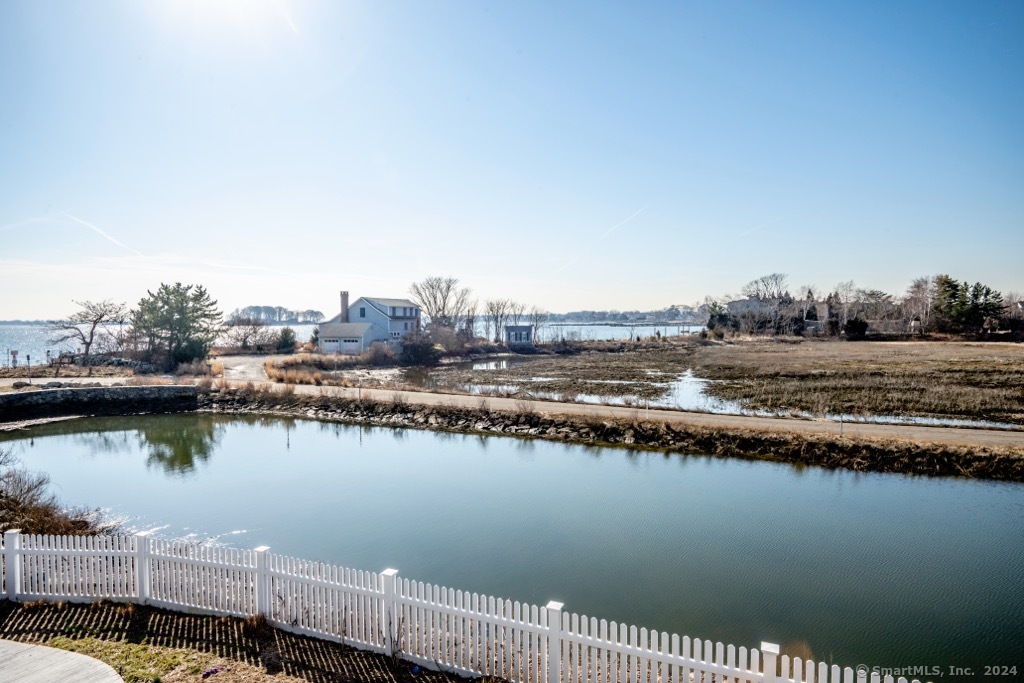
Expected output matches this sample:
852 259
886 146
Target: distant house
368 320
750 306
518 335
347 338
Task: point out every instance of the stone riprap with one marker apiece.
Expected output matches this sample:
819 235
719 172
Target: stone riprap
861 454
20 405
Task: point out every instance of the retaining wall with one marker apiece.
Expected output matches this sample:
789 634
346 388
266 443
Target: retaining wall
22 405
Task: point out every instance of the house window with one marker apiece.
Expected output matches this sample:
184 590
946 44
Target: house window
407 326
396 335
362 311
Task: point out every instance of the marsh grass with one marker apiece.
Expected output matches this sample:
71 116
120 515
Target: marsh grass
979 381
294 375
947 379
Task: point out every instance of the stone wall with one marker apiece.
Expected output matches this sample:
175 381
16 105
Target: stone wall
22 405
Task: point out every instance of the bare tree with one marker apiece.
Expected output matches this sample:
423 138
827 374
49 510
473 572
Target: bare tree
846 295
487 322
919 299
537 317
83 325
1014 305
498 310
516 311
469 319
441 298
249 333
808 297
767 287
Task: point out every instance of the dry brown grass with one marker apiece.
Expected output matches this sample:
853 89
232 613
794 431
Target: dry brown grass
146 381
27 503
951 379
65 371
610 370
298 375
980 381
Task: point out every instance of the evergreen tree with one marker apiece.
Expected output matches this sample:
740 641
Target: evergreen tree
962 307
177 324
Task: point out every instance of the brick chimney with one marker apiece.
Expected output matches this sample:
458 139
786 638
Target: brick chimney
344 307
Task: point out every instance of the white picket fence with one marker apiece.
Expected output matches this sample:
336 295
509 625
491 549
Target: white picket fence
436 627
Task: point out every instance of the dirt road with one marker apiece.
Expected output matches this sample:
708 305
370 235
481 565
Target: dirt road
246 371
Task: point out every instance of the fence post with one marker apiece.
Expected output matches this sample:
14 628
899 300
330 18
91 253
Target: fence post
261 583
769 663
12 562
142 574
389 577
554 641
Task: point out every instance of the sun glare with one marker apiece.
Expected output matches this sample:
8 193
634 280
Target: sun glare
252 19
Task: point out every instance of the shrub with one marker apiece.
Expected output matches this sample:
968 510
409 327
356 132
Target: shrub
195 368
378 354
286 340
27 504
419 352
856 328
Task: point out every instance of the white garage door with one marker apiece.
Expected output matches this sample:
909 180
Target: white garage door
351 347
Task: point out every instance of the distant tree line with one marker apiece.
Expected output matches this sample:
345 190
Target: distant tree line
679 313
937 303
277 315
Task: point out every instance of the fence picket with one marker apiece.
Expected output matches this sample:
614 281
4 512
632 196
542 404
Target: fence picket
456 631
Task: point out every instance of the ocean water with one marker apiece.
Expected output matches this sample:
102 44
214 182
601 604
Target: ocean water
31 342
33 339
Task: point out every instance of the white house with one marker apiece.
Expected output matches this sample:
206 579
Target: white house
368 320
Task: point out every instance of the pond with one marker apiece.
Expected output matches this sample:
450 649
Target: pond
879 569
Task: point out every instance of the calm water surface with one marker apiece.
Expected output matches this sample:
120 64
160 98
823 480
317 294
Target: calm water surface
885 570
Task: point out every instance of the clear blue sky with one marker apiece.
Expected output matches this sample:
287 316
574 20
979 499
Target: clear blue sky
566 154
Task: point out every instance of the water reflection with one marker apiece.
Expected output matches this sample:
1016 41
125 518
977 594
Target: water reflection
674 542
174 444
176 448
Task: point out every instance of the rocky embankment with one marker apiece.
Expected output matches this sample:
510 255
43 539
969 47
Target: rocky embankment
51 402
825 451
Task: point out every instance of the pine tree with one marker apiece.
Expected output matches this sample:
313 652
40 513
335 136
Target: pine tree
178 323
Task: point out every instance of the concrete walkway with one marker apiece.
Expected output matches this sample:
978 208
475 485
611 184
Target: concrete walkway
26 663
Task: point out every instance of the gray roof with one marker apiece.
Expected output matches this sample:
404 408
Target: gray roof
390 302
344 329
